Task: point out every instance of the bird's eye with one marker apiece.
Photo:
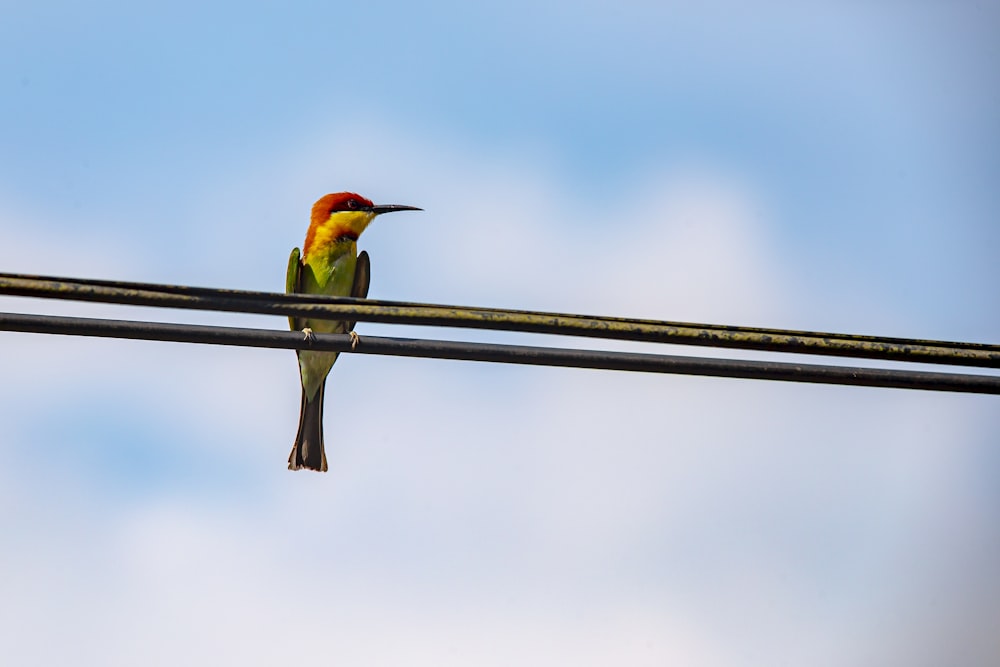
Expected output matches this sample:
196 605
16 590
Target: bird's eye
352 203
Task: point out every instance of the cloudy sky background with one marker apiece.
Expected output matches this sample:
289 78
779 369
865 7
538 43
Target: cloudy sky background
830 168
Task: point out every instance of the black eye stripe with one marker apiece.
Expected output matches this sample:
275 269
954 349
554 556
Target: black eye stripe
351 204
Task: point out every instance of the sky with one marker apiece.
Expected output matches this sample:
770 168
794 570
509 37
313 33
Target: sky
834 167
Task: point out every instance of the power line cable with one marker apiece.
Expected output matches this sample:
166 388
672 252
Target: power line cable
394 312
516 354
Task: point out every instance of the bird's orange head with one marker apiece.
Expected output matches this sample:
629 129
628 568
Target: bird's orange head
343 215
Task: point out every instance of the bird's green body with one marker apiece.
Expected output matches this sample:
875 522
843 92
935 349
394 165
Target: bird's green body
329 274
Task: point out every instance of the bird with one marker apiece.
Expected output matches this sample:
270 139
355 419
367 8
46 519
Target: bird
328 264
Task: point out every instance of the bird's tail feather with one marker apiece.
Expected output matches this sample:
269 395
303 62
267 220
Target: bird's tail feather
308 451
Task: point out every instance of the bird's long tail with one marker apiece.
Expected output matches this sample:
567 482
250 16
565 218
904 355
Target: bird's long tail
308 451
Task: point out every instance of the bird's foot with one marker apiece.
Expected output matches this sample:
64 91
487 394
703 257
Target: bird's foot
308 333
355 339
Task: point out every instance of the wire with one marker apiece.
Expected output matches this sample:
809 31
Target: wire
393 312
514 354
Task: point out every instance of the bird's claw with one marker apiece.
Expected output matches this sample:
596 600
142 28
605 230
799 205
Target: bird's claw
355 339
309 335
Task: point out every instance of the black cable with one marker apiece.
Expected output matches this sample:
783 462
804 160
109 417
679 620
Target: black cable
516 354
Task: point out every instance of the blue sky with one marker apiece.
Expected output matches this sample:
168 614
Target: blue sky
831 168
873 127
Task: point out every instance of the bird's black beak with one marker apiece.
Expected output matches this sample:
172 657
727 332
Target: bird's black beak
389 208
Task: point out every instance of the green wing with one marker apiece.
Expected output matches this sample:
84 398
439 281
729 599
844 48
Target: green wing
362 276
293 281
362 279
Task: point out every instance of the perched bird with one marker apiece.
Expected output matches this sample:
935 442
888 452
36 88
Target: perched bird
328 264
